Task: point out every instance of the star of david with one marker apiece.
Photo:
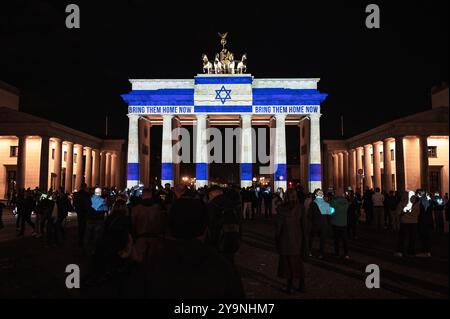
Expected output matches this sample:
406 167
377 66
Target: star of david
220 94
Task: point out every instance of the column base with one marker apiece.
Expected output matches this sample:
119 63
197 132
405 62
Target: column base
132 183
314 185
246 184
278 184
200 183
165 181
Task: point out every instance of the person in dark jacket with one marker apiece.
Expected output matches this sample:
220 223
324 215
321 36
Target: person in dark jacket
319 212
267 197
339 222
425 224
25 206
352 215
111 266
289 242
2 206
64 207
186 267
224 223
82 206
438 205
149 221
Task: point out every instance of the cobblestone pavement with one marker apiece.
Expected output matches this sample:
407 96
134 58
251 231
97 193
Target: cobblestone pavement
29 269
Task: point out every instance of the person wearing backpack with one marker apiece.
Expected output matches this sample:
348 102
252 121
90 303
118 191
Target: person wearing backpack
224 223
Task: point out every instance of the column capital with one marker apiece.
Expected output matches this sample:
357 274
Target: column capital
133 115
68 142
201 116
279 116
87 148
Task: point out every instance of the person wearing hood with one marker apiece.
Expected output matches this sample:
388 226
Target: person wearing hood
425 223
318 215
148 220
339 222
408 225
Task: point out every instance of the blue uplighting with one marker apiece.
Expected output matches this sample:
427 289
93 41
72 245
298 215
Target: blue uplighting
133 171
315 172
246 172
280 172
201 171
167 171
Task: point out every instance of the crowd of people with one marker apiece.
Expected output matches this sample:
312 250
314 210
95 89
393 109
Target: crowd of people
175 241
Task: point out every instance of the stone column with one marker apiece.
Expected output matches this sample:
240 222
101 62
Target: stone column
335 171
280 153
246 151
69 167
88 167
21 162
166 153
79 168
359 166
133 151
201 152
114 170
340 171
352 173
376 165
96 169
315 159
108 170
424 178
387 181
57 163
103 169
367 167
399 164
346 170
330 170
43 166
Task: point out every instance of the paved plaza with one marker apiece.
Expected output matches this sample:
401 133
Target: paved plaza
29 269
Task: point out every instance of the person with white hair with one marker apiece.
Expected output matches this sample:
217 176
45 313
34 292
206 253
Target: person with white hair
319 210
95 222
408 225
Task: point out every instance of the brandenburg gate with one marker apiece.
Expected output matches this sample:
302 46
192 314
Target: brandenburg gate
226 95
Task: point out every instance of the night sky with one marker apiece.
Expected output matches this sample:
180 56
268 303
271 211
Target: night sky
76 76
